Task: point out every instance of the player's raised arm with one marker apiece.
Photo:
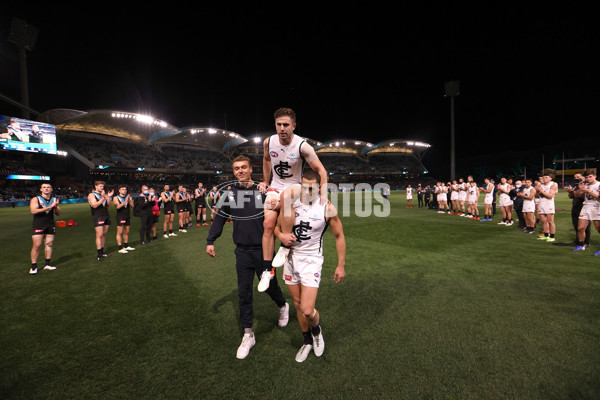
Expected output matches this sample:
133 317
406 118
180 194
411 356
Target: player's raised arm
262 186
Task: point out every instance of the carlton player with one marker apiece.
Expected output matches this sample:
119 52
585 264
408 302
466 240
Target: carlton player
123 203
284 157
43 208
462 196
302 269
488 189
547 189
99 202
590 212
409 196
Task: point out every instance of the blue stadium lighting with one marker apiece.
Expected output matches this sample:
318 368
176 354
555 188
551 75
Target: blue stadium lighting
141 169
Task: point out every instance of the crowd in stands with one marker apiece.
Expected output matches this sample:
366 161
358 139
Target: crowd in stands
128 154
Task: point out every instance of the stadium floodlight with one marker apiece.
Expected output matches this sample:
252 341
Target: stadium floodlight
256 140
24 37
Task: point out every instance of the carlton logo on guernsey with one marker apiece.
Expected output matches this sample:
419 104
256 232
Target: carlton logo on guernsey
309 227
286 161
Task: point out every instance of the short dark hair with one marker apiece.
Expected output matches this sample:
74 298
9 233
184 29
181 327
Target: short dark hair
311 175
589 172
285 112
242 158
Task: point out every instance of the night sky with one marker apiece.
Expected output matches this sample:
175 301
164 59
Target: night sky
370 73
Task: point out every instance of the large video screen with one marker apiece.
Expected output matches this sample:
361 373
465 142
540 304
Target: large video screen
25 135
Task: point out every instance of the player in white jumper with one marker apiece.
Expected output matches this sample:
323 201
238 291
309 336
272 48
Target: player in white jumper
409 196
284 157
302 270
488 189
528 195
462 196
590 211
547 189
505 202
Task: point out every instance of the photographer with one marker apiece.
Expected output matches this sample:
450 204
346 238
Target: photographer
143 209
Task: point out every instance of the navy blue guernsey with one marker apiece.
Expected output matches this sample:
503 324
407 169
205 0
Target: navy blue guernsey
245 206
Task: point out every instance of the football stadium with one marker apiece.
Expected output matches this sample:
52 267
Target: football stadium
422 293
433 306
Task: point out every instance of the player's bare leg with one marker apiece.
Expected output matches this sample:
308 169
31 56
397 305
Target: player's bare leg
268 241
286 220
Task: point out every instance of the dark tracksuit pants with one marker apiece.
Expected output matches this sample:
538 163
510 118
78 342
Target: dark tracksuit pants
248 263
146 221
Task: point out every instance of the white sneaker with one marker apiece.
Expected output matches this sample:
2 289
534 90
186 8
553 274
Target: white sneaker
183 230
172 234
280 257
318 343
265 280
49 268
502 223
123 251
129 248
32 271
303 353
166 236
284 315
248 341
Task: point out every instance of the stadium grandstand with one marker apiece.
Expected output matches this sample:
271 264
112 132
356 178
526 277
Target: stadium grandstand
123 147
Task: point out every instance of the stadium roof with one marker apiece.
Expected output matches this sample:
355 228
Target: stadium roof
136 127
347 146
210 138
396 146
253 141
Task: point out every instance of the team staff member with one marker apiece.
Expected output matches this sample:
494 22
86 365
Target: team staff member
143 205
168 210
43 208
123 203
303 268
247 215
99 202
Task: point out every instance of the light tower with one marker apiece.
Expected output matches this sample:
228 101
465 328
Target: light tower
24 37
452 90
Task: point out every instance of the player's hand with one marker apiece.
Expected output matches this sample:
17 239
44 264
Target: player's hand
111 193
287 238
210 250
340 272
263 186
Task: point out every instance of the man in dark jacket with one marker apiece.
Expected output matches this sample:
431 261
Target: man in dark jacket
143 209
244 204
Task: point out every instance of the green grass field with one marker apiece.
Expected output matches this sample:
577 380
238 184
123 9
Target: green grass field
433 307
